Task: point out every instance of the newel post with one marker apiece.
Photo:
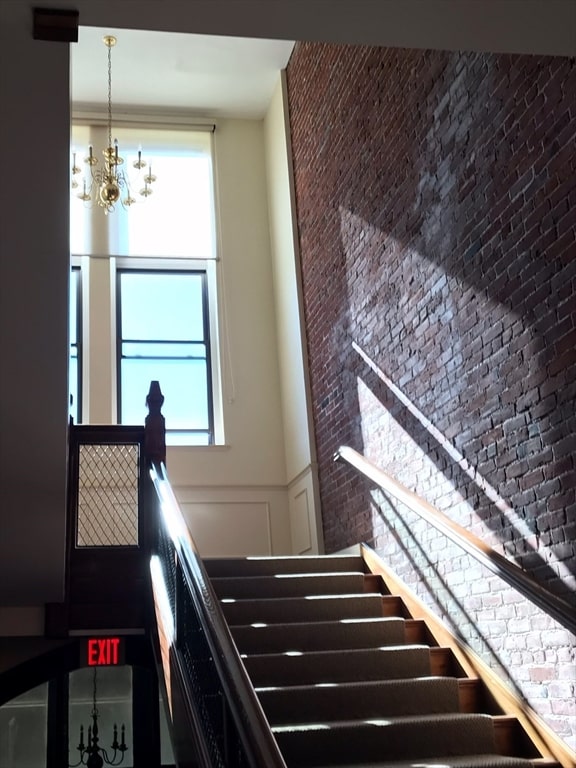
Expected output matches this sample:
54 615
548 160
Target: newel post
154 426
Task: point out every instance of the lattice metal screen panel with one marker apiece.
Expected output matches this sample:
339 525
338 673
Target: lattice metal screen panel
107 496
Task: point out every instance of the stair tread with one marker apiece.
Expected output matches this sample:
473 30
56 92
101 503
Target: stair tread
386 662
452 761
372 698
298 609
392 720
361 632
243 566
288 585
361 686
353 621
312 575
400 738
301 598
338 653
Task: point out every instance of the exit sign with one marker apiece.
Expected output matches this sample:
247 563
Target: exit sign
104 651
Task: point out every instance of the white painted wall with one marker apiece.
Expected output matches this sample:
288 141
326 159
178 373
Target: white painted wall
301 468
33 310
235 496
501 26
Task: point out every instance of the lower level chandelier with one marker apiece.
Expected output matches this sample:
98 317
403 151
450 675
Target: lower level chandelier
92 755
108 184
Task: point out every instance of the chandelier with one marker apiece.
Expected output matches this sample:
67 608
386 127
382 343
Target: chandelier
92 755
107 183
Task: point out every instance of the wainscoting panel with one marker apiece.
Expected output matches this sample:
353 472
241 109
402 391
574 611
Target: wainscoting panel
230 528
237 522
300 523
304 510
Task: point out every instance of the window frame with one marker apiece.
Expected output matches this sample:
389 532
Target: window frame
135 268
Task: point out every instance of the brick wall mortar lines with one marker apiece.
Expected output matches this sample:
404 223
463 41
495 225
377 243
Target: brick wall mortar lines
436 200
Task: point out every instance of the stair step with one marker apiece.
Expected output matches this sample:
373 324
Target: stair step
386 663
270 566
288 585
510 737
348 679
470 694
399 738
298 609
320 635
442 662
370 699
392 605
450 761
415 631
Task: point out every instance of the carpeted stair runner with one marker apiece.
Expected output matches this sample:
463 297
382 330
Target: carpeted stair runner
338 681
413 737
320 635
321 667
370 699
299 609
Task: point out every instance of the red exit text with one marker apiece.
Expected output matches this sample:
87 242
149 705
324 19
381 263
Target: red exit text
104 651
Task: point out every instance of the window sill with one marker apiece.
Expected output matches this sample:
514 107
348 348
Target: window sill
198 448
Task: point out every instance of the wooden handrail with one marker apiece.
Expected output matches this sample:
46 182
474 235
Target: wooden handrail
554 606
252 724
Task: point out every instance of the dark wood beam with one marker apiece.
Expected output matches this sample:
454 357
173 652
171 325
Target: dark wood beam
60 25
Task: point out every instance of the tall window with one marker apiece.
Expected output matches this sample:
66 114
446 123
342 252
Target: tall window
163 334
161 281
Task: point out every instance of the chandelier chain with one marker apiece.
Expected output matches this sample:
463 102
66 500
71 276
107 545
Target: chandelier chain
109 95
94 705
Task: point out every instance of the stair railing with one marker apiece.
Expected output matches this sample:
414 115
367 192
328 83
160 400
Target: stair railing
230 727
554 606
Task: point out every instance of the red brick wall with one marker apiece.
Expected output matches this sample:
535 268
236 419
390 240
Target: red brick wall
436 199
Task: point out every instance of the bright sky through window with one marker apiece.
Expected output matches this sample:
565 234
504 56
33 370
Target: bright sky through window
163 336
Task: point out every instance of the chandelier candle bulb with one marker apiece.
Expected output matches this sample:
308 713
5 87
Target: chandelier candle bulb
139 163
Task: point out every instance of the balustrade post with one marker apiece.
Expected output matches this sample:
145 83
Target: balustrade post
154 426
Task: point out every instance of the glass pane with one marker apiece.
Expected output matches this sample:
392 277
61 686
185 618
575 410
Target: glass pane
162 306
73 385
187 438
177 218
183 385
114 702
73 308
23 730
80 213
163 350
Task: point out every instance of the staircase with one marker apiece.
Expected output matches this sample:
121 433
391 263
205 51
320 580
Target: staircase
346 677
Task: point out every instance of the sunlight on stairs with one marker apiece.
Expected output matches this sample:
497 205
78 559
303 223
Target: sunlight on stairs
346 678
